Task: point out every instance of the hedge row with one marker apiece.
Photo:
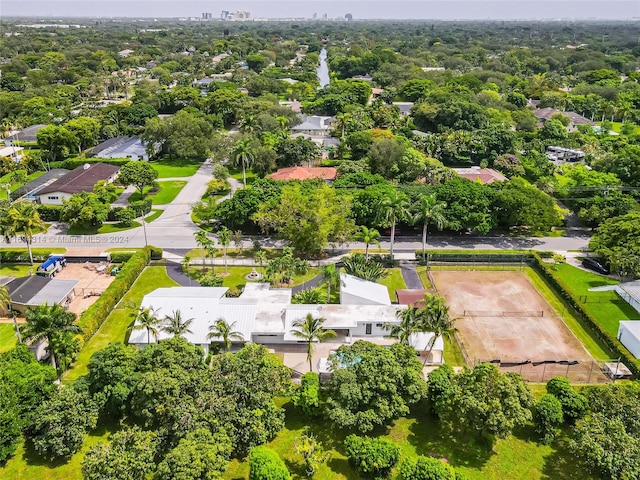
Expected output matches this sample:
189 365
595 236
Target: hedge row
121 257
565 293
97 313
22 256
50 213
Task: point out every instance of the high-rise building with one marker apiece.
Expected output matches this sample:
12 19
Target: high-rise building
348 17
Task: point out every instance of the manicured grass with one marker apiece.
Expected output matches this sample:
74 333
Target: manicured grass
105 228
237 174
616 126
15 185
15 270
175 168
424 278
606 307
237 275
166 193
7 337
452 354
114 328
595 348
517 457
393 281
233 252
156 213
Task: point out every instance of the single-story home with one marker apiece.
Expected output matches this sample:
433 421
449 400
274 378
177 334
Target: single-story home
30 189
121 147
575 119
630 292
304 173
482 175
81 179
629 336
266 315
404 107
314 125
36 290
13 152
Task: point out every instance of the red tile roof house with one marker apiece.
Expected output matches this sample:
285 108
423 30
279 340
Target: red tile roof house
305 173
483 175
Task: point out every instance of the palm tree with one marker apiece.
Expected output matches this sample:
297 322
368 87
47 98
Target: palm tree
341 121
243 154
248 124
224 237
261 257
23 218
177 326
47 322
211 250
330 274
147 319
368 236
393 207
186 260
203 241
310 330
410 322
224 330
282 121
430 210
435 318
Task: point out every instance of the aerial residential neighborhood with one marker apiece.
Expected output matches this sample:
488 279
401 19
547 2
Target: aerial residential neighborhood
365 242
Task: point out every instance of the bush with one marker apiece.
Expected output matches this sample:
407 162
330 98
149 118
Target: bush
372 456
265 464
439 386
125 216
210 280
121 257
425 468
113 213
95 315
547 417
574 405
307 396
22 256
141 207
156 253
50 213
216 187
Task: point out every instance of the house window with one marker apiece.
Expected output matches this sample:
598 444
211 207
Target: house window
379 325
53 198
368 329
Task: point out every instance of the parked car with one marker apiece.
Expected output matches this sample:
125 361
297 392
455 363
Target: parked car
595 265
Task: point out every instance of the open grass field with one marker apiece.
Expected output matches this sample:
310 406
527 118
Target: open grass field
516 335
114 328
393 281
175 168
105 228
517 457
7 337
606 307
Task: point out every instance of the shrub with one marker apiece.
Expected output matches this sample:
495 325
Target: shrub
141 207
22 256
121 257
92 318
113 213
210 280
50 213
156 253
547 417
307 396
425 468
574 405
125 216
439 386
372 456
216 187
265 464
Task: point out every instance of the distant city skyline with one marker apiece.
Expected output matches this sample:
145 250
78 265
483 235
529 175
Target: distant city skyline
373 9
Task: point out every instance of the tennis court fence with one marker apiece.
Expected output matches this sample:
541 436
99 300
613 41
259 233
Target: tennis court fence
503 313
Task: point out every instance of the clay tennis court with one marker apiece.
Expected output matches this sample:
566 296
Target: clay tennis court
525 326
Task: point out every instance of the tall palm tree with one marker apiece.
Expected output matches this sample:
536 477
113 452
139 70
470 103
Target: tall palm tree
330 274
224 237
368 236
47 322
222 329
211 250
176 325
24 219
410 322
430 210
310 330
243 154
435 318
147 319
393 207
186 261
282 121
341 121
203 241
261 257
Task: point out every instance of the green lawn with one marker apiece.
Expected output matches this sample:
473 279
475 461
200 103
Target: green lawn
233 252
156 213
114 328
105 228
168 191
424 278
579 328
606 307
15 270
393 281
14 186
517 457
175 168
236 278
7 337
237 174
615 126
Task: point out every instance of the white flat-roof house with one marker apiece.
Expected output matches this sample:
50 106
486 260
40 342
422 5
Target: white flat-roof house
266 315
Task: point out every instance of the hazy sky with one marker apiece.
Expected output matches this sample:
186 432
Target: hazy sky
402 9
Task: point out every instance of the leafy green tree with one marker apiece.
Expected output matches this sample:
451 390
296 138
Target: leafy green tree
85 130
357 265
470 205
440 386
224 330
84 209
60 424
311 450
617 234
295 151
224 238
307 396
574 405
56 141
147 319
384 157
331 275
187 134
243 155
138 174
425 468
435 318
547 417
371 385
368 236
311 330
373 457
308 296
553 130
48 322
486 402
391 209
519 203
176 325
265 464
430 210
128 456
200 455
22 217
256 62
10 422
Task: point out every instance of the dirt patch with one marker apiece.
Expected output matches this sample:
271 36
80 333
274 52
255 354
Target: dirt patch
509 337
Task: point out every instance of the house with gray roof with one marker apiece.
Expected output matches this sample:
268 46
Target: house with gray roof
36 290
81 179
314 125
121 147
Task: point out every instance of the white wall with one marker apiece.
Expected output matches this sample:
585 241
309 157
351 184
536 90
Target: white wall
53 198
629 340
376 331
347 299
